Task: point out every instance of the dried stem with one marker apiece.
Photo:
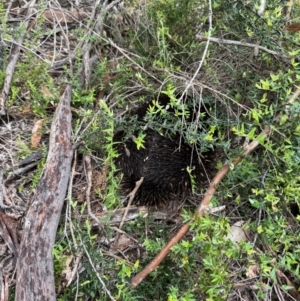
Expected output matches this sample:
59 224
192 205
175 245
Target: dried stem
131 197
256 47
88 172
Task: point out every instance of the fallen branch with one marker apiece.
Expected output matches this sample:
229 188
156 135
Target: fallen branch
115 217
35 272
89 175
131 196
256 47
202 208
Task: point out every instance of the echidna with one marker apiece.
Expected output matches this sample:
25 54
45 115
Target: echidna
163 164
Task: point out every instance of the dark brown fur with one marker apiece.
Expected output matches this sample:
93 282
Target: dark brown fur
163 164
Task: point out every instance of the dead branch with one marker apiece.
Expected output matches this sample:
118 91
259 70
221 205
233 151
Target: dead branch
88 172
201 210
97 272
256 47
115 217
35 274
131 196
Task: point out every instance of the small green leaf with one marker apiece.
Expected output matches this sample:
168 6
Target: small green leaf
139 141
255 115
251 134
259 229
274 77
283 119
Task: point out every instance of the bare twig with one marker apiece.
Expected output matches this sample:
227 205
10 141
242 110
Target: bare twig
182 76
4 287
77 258
124 233
88 172
1 287
115 217
124 53
23 47
131 197
69 209
2 205
293 292
238 43
204 52
96 272
8 233
21 170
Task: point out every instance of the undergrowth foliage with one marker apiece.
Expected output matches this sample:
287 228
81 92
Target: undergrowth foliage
251 89
154 51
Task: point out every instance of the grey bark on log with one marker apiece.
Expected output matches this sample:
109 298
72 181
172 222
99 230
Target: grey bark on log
35 270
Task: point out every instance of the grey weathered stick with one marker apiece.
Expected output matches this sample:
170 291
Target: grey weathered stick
35 271
239 43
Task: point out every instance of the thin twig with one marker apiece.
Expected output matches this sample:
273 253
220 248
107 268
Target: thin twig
2 205
123 51
239 43
131 197
6 287
96 272
21 170
182 76
123 232
88 172
1 287
204 52
69 208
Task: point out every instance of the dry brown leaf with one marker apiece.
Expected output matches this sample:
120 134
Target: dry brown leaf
293 27
252 271
99 179
8 230
36 133
123 242
47 92
67 271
